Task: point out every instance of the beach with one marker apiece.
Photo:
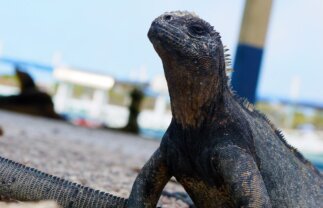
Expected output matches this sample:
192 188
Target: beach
100 159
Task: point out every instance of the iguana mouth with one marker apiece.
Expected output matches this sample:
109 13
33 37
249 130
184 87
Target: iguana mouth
165 34
167 38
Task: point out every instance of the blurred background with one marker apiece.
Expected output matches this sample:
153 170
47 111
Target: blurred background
95 61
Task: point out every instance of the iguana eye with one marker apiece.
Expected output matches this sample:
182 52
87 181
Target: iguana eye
197 29
168 17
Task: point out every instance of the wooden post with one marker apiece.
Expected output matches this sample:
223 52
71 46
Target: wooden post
250 49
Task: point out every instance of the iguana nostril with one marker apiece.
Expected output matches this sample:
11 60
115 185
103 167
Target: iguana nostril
168 17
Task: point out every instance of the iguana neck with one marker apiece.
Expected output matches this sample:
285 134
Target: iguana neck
194 99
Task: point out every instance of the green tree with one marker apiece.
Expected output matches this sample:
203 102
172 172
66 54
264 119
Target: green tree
299 118
317 119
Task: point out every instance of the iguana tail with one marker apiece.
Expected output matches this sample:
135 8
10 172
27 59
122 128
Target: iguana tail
28 184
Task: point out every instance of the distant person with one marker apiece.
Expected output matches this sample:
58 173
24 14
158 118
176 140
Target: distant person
134 110
30 100
132 126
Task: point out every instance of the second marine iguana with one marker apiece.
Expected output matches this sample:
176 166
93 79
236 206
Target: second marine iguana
224 153
30 100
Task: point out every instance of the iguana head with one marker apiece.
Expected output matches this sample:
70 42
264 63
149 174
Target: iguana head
194 64
25 80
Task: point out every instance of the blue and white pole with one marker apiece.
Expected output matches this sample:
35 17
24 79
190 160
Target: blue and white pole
250 49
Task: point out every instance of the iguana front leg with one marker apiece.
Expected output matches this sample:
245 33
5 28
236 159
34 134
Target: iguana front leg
149 183
241 175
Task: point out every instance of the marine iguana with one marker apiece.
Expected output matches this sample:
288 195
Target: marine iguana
30 100
223 151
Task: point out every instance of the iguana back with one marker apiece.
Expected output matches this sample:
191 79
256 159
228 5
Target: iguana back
290 179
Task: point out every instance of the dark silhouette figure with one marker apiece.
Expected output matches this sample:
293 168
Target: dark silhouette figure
134 110
30 100
26 83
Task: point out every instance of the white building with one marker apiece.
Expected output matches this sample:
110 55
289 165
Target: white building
98 108
69 77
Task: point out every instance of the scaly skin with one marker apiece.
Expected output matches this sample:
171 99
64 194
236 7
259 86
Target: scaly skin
28 184
224 153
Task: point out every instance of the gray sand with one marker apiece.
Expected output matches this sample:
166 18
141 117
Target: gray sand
101 159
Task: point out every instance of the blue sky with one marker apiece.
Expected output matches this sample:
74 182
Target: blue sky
111 37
